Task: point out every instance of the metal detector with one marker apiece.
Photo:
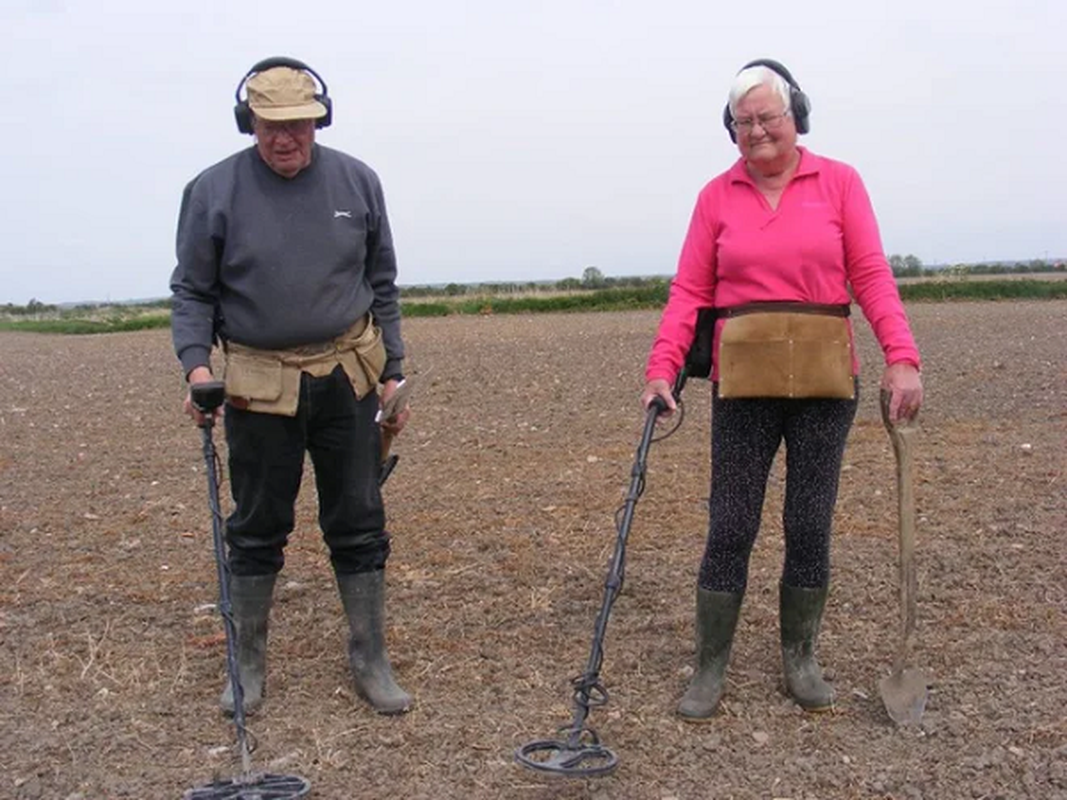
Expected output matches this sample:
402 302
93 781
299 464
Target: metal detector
578 753
206 399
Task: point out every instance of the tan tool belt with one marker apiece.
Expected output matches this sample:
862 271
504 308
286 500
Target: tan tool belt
268 381
797 350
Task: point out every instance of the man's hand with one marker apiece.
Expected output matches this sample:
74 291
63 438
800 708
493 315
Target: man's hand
199 375
394 424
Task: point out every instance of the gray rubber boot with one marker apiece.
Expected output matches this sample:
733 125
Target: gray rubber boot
363 597
250 601
800 614
717 614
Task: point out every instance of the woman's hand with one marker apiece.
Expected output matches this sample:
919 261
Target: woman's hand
658 387
905 388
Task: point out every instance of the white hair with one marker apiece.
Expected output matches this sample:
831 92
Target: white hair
748 79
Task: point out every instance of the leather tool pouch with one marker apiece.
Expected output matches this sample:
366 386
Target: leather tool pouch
268 381
261 383
363 358
795 350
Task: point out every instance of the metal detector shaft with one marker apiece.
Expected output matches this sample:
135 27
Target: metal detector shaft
581 754
225 608
589 682
207 398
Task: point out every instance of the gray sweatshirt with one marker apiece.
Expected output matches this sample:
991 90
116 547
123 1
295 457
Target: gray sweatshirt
273 262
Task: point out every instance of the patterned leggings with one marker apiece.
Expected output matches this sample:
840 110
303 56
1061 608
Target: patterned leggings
745 435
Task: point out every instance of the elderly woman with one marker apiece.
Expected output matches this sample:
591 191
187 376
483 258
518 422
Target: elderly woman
774 245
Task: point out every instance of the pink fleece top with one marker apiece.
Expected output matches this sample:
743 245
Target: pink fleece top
821 239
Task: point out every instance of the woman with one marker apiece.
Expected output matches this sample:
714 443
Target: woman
774 245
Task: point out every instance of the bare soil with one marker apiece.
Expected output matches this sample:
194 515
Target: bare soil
501 512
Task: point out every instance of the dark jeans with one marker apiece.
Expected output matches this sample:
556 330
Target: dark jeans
267 463
745 435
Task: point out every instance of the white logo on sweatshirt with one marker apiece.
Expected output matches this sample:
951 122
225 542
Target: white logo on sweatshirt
342 213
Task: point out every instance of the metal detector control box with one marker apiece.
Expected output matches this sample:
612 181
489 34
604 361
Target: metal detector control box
207 396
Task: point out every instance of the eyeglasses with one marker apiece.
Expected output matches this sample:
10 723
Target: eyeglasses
294 127
768 122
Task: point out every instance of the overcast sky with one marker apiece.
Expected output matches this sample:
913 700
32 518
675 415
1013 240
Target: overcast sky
525 141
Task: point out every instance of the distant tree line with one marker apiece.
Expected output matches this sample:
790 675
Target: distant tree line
910 266
592 279
36 308
32 309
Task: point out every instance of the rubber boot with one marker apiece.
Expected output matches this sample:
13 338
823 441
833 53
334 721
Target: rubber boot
800 614
250 601
717 614
363 597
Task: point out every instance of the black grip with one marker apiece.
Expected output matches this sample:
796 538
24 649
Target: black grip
207 396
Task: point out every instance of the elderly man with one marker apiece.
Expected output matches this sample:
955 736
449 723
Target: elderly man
285 259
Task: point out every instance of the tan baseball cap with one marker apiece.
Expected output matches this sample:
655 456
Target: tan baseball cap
283 93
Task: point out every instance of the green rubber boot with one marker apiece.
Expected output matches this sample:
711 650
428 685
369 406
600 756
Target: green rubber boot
717 614
250 601
363 596
800 614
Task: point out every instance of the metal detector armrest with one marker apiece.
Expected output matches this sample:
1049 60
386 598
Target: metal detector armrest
699 358
207 396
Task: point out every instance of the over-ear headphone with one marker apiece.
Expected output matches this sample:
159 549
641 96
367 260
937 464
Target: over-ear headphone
243 113
799 104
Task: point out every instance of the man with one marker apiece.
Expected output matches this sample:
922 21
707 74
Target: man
285 258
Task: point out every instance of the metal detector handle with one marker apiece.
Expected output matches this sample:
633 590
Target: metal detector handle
679 383
206 398
658 406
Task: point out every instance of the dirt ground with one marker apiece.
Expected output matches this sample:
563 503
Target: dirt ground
501 509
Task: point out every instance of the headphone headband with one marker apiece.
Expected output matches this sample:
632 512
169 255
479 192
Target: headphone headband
243 113
774 66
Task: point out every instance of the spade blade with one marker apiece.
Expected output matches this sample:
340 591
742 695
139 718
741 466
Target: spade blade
904 694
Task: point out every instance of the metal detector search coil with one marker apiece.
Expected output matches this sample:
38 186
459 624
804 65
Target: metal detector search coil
255 787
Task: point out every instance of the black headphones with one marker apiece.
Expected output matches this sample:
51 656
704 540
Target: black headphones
799 104
243 113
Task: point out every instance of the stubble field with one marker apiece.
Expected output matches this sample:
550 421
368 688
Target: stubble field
501 512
